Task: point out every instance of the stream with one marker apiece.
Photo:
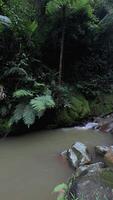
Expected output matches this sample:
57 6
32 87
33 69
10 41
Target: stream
30 165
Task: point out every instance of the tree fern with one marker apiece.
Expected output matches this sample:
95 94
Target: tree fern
29 111
22 93
41 103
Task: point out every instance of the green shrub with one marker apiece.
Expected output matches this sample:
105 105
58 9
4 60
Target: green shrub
77 110
102 104
4 127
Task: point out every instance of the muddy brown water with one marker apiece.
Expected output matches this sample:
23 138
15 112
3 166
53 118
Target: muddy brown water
30 165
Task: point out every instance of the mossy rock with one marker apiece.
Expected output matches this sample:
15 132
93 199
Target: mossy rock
107 177
78 109
103 104
93 186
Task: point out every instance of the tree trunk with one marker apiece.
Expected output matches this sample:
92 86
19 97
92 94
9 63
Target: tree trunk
62 47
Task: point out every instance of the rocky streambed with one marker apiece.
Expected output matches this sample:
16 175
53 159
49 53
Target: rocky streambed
91 180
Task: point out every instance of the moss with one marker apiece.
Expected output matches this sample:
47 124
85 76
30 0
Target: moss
64 119
103 104
78 109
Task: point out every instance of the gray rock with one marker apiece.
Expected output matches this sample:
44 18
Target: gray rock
89 169
72 158
102 150
92 186
63 153
5 20
81 151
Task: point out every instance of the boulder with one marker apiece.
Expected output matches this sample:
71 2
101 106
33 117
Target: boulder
102 150
72 157
95 185
89 169
81 151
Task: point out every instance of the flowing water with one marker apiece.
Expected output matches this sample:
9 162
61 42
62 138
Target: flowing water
30 165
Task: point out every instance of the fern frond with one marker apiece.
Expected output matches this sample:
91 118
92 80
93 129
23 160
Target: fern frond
22 93
41 103
15 70
29 115
38 104
18 113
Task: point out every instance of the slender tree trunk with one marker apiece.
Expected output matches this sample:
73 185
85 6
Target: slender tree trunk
62 47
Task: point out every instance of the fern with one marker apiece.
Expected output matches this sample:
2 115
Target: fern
28 115
18 113
28 112
22 93
55 5
41 103
15 70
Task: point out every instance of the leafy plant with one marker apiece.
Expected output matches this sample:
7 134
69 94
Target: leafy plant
61 190
32 105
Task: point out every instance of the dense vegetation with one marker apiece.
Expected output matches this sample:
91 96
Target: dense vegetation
56 62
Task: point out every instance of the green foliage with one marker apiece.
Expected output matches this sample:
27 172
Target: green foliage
41 103
102 104
4 127
61 190
22 93
31 106
77 5
22 19
30 43
78 109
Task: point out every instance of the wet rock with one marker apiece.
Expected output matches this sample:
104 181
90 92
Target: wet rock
102 150
109 157
93 186
81 151
73 160
105 123
64 153
89 169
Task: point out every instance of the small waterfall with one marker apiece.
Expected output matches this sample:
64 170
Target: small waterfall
89 125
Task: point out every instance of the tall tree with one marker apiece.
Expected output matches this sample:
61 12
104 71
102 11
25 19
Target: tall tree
65 8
